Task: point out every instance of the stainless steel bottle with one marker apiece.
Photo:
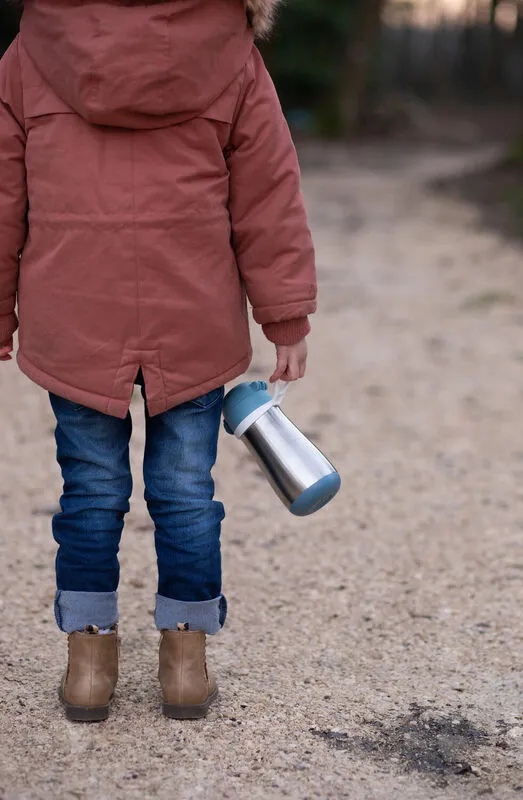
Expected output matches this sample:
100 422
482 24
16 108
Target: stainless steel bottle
299 473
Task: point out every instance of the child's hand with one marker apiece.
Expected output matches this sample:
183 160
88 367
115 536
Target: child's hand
291 361
4 353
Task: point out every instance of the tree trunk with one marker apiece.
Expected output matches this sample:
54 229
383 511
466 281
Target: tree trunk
495 64
360 54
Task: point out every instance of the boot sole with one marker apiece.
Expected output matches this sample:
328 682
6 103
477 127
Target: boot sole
189 712
84 713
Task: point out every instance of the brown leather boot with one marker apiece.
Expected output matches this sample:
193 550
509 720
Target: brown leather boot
188 689
92 673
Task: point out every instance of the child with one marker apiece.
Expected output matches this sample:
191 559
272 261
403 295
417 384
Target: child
148 183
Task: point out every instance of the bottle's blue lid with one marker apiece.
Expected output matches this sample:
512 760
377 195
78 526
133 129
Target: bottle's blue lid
242 401
317 496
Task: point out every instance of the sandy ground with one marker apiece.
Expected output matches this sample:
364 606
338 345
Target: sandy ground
374 650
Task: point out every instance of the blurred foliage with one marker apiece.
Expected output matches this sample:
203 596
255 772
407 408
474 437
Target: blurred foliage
307 56
322 58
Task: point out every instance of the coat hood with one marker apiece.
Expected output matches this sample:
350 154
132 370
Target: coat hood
142 64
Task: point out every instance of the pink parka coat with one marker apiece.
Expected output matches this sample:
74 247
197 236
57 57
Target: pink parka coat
148 183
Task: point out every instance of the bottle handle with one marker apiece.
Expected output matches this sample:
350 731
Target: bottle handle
280 390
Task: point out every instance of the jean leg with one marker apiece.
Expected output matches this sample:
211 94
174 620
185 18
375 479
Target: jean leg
93 453
180 452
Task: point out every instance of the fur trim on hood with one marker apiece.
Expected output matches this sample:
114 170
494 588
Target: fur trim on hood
261 14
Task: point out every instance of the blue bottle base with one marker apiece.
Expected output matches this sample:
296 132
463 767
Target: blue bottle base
316 496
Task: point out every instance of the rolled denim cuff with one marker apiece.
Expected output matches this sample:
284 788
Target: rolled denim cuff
208 616
74 610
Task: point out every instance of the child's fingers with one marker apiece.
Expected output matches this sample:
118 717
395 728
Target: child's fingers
291 364
281 368
303 364
293 368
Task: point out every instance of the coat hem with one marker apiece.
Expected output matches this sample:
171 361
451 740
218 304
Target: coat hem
170 401
115 407
119 408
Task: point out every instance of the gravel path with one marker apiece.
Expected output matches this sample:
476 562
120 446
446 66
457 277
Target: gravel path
372 651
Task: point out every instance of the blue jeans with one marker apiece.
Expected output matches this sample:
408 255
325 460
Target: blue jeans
180 452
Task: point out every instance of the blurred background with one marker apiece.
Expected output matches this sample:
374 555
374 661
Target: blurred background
343 66
439 71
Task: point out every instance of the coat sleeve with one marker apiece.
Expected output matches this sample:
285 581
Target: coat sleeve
271 237
13 193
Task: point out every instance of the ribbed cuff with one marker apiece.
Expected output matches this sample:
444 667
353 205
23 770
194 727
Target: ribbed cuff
208 615
74 610
288 332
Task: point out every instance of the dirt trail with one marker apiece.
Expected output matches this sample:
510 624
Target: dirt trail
374 651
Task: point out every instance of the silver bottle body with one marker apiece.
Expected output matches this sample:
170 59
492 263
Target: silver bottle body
290 461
